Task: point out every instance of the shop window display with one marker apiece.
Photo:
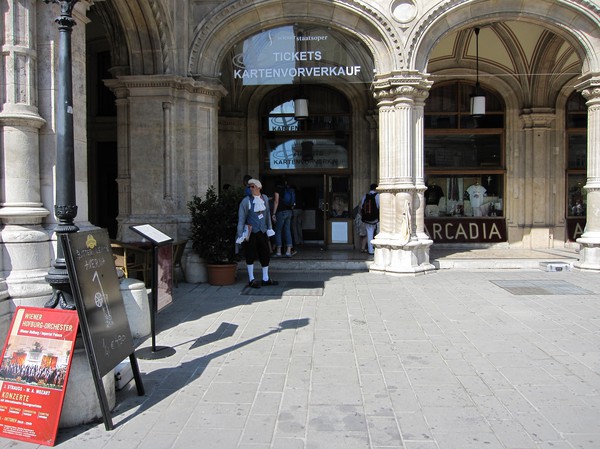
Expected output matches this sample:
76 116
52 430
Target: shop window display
464 155
576 166
464 167
464 196
577 202
576 156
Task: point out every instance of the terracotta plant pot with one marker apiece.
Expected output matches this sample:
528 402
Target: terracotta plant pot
223 274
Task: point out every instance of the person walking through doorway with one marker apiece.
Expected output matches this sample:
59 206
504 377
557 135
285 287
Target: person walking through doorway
283 202
369 210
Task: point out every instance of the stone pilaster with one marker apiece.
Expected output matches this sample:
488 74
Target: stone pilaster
535 214
182 114
401 247
590 239
25 244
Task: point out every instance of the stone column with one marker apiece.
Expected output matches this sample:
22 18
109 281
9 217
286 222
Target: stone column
418 228
590 239
55 49
401 247
25 244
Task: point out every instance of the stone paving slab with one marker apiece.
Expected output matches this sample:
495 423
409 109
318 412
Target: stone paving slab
449 360
541 287
287 288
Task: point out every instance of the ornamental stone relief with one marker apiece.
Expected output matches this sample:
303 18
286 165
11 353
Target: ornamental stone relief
404 11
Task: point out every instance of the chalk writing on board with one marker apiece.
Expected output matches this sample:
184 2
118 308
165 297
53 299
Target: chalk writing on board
93 277
116 342
101 300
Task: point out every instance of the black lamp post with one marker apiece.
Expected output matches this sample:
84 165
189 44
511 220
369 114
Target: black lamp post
65 208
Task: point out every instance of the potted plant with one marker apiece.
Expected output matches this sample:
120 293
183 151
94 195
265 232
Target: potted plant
213 232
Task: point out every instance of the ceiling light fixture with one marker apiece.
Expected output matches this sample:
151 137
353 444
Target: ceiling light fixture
301 108
300 102
478 98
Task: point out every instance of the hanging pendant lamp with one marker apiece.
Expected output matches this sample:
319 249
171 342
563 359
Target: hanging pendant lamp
301 108
477 99
301 102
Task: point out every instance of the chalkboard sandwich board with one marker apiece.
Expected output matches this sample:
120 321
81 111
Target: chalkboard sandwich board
103 320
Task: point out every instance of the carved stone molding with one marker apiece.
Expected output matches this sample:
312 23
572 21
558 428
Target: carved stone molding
538 119
174 82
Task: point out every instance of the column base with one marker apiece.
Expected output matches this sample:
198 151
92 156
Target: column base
81 404
395 258
589 254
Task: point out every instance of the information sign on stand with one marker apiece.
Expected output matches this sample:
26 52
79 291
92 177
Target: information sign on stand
33 376
162 284
104 326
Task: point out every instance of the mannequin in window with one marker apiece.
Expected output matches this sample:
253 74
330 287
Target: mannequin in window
577 205
433 194
476 194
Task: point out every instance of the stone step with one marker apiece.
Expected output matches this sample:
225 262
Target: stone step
315 259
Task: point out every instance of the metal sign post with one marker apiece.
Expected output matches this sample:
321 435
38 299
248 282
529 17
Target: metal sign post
158 239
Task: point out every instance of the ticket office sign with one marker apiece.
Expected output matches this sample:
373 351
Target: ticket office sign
36 360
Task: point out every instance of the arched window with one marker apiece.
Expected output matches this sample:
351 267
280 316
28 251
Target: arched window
576 145
319 143
464 154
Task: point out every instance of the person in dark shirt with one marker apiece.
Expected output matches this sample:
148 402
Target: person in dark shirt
283 204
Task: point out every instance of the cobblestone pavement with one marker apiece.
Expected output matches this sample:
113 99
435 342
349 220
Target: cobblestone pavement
506 359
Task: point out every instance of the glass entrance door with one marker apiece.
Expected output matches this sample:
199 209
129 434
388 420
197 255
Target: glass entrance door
323 208
311 207
338 218
314 156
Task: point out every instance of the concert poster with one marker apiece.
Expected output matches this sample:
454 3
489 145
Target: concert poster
33 375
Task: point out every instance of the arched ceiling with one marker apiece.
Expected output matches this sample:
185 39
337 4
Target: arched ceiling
526 56
140 35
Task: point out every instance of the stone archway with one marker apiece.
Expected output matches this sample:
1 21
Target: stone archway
213 37
578 25
140 35
239 135
564 17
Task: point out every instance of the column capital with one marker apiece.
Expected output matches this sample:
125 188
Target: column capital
538 118
590 87
412 85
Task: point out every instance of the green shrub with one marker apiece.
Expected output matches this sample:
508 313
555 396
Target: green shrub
214 225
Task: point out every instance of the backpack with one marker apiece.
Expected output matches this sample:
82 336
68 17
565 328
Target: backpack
369 210
289 197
